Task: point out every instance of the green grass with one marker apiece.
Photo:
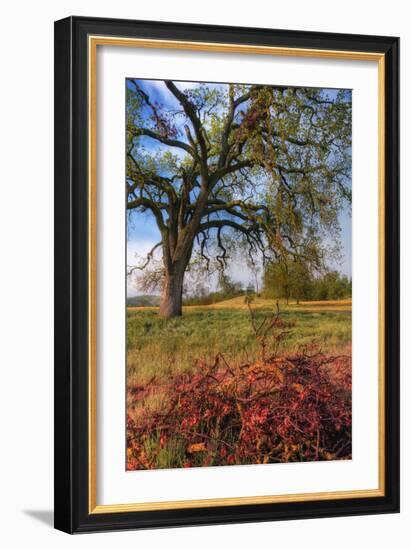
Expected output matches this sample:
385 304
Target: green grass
162 347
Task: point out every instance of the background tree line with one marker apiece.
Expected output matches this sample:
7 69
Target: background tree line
294 280
280 281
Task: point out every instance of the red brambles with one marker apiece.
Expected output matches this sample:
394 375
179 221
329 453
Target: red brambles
281 409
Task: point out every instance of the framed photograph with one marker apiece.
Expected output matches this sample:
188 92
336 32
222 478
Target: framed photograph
226 274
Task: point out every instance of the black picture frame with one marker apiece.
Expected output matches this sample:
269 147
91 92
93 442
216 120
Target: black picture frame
71 492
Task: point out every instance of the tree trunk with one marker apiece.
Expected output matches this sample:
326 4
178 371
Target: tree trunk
171 299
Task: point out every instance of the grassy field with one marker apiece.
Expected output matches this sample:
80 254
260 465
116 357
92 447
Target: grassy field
163 347
238 410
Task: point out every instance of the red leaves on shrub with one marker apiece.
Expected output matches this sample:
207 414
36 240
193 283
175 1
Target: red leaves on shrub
278 409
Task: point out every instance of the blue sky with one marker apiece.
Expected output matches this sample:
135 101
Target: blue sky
143 234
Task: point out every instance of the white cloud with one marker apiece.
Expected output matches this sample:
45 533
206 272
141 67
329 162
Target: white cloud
182 85
137 250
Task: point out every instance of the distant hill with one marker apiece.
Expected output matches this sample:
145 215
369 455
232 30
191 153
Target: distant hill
144 300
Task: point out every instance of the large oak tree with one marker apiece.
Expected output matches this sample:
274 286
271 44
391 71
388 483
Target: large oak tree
264 167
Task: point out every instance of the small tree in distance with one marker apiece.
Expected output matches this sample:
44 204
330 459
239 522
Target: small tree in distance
287 280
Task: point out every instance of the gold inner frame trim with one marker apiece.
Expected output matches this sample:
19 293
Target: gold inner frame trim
93 42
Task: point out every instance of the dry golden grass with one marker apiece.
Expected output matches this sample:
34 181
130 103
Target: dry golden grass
328 303
264 303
